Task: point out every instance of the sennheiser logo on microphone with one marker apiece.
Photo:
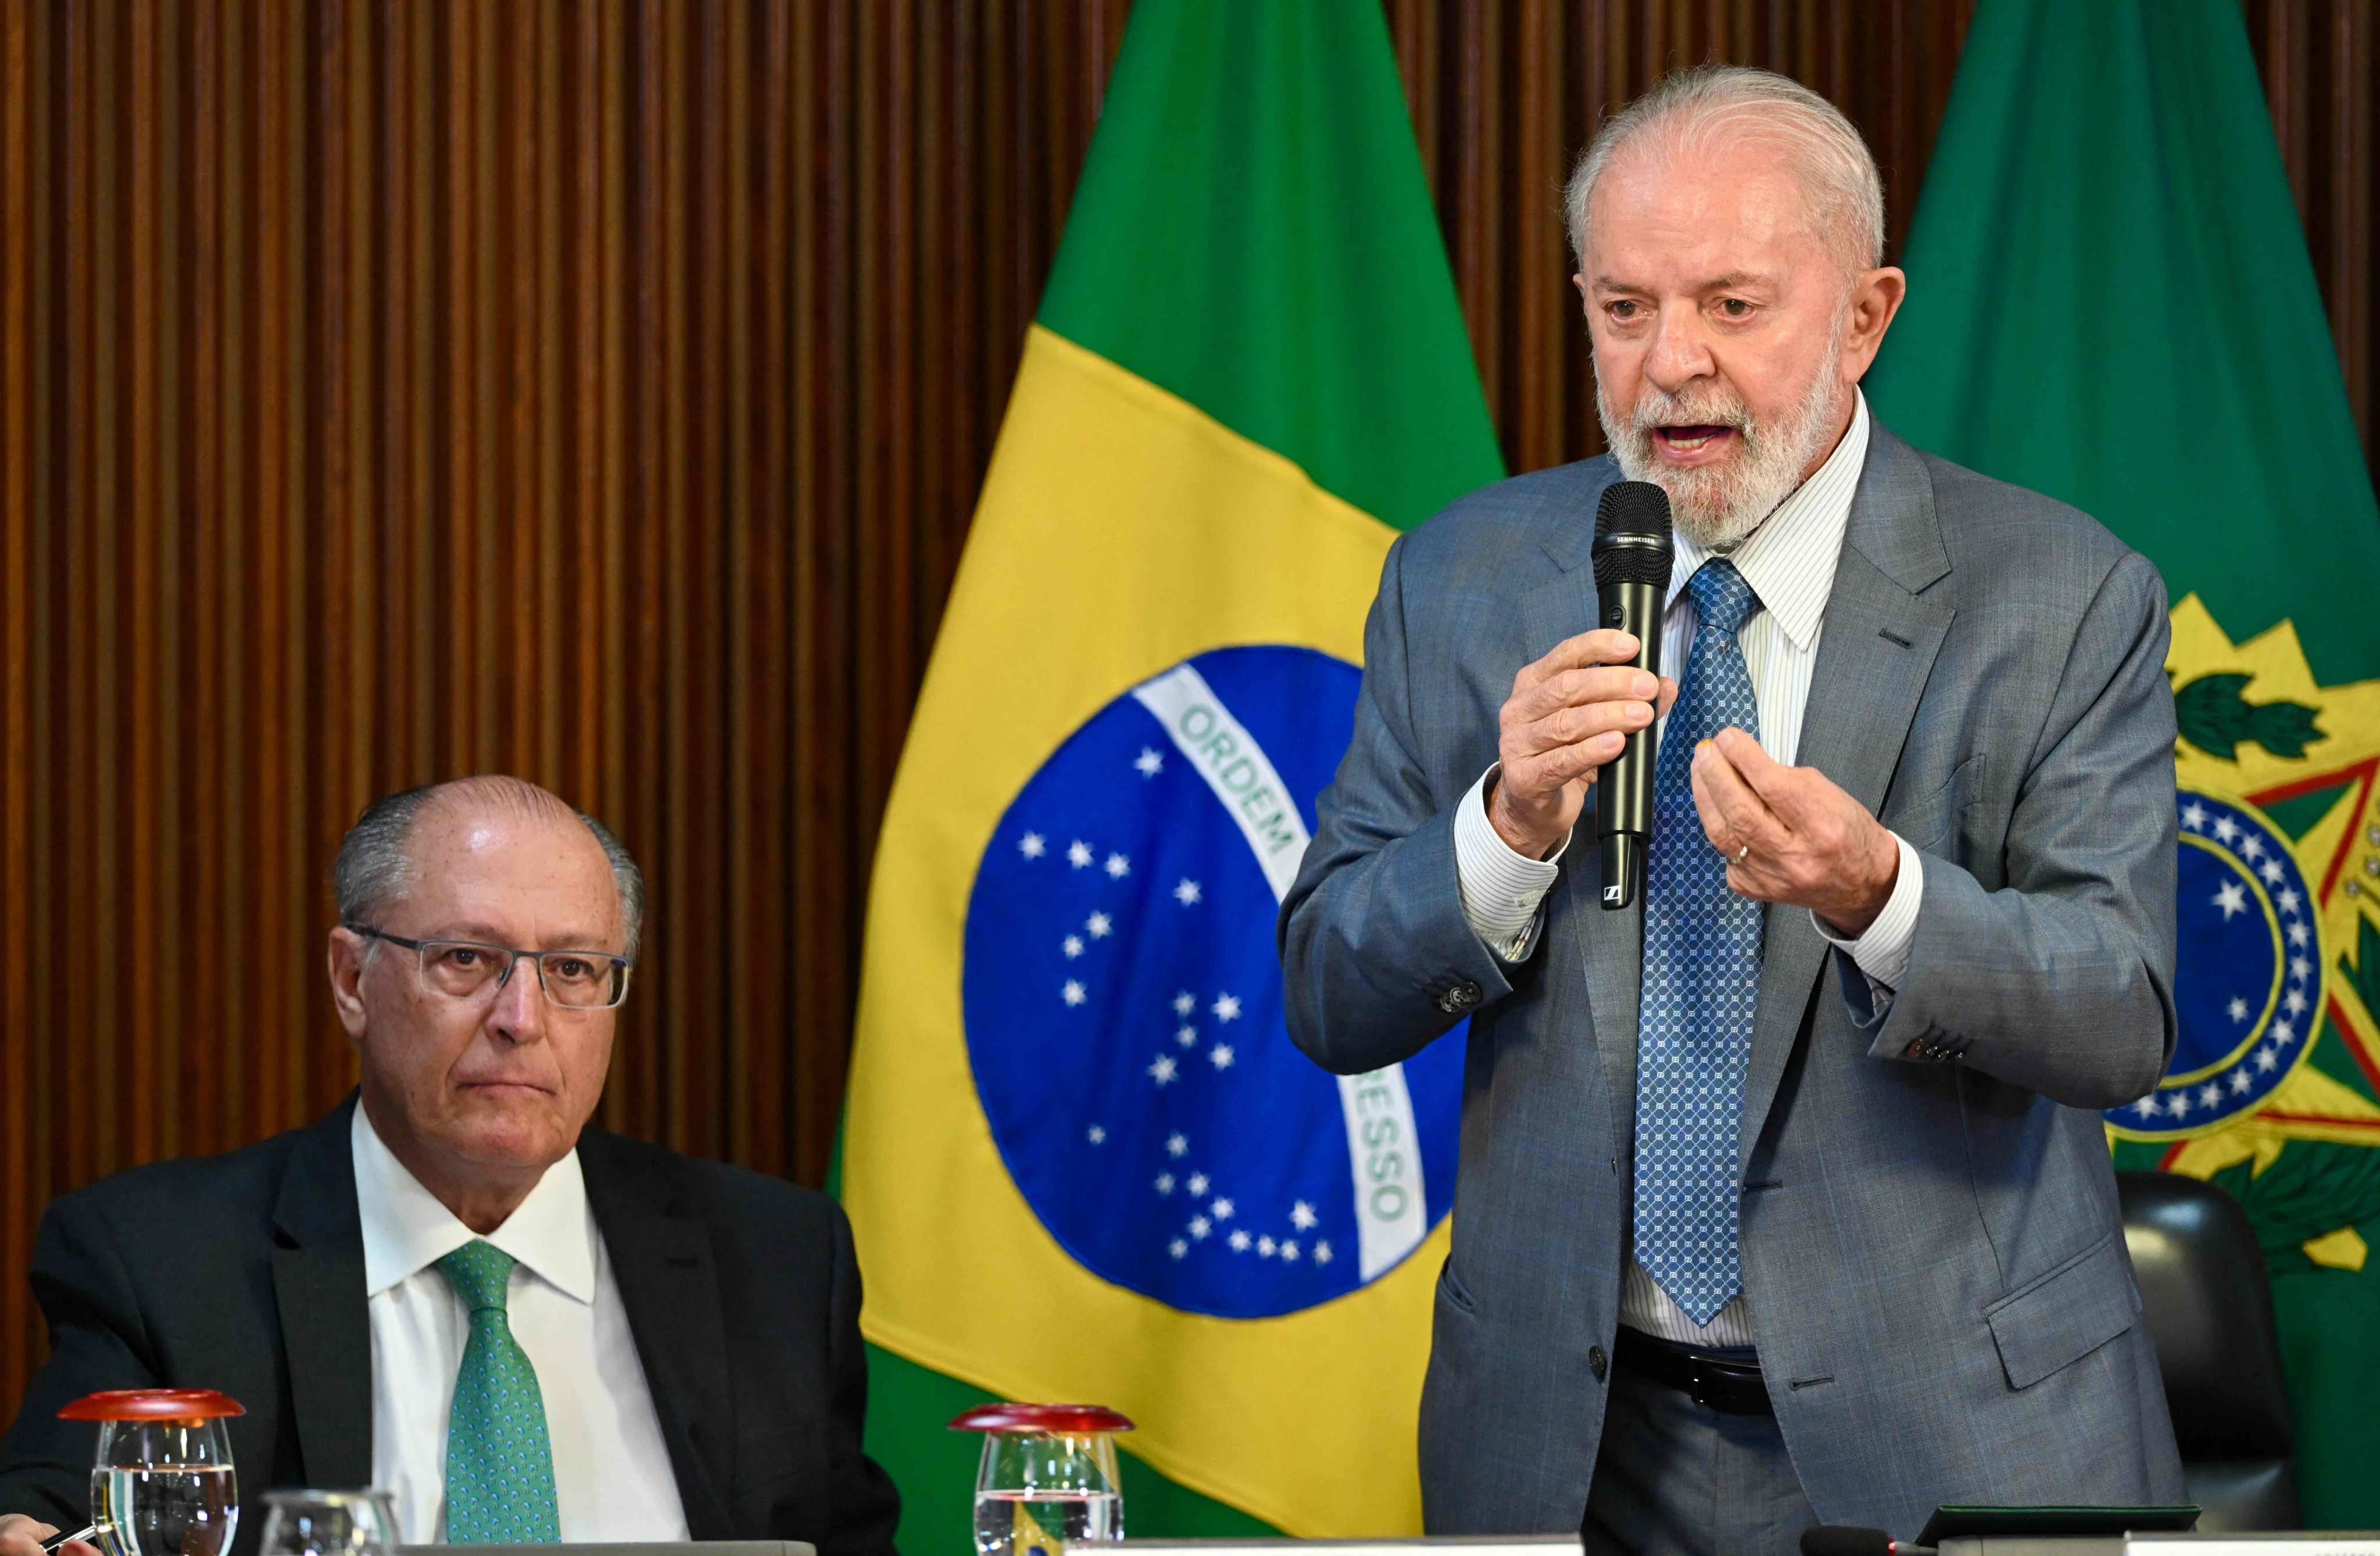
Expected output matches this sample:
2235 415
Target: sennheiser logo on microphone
1616 892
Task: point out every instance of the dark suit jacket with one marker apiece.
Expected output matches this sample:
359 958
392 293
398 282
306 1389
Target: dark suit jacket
244 1273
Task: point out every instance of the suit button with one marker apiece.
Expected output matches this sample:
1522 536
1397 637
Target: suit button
1597 1362
1461 996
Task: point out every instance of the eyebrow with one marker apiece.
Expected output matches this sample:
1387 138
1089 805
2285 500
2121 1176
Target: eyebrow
577 938
1733 281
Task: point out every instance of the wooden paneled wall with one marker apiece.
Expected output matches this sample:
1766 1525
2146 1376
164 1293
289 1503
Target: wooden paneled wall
598 390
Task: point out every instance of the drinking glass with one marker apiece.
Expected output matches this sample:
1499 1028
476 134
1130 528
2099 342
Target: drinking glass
329 1524
1047 1478
162 1481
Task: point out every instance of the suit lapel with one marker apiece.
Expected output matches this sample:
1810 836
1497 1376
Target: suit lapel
1882 634
669 1285
318 1284
1609 946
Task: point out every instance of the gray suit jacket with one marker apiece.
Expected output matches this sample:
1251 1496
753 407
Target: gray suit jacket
1936 1269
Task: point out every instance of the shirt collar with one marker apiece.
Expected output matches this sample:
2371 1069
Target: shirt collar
406 1230
1790 559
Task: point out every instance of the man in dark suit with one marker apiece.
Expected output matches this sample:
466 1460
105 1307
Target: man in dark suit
451 1288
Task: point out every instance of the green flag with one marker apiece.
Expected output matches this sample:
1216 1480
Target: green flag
2110 301
1083 1160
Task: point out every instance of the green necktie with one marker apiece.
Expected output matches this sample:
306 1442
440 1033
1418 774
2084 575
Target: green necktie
499 1465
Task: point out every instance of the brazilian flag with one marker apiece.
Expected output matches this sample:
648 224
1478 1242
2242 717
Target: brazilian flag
2110 301
1082 1159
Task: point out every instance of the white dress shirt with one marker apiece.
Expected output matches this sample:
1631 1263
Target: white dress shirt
612 1474
1789 562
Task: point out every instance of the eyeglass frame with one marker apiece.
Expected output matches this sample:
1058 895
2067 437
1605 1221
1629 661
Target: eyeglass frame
513 955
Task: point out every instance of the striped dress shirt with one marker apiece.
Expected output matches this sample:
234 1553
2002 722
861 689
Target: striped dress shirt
1789 562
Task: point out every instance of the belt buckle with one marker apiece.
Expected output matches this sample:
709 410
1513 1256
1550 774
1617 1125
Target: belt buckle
1715 1385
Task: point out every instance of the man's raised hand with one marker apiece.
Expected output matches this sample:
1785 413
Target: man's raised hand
1568 714
1792 835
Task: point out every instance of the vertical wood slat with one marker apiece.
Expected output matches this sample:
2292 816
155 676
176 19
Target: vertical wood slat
599 391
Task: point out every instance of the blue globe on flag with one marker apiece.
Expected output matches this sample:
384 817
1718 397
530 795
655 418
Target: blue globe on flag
1122 1000
2247 976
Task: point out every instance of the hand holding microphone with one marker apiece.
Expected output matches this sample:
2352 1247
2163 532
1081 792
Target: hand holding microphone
1576 711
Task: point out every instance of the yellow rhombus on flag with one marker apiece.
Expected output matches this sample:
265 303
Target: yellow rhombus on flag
1083 1161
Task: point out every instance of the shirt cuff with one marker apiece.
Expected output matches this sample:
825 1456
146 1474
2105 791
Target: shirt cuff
1502 890
1883 952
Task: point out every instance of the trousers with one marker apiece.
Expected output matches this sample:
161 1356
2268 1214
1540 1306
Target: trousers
1678 1479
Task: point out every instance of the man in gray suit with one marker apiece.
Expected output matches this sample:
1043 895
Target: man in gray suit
1783 1194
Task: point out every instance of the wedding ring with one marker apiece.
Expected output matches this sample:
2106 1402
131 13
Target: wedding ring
1739 854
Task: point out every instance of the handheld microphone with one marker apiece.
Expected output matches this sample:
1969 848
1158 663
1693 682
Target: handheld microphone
1632 583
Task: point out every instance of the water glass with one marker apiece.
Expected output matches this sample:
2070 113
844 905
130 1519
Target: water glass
309 1523
162 1482
1047 1478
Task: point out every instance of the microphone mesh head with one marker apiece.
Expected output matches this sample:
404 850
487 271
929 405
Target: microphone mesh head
1632 535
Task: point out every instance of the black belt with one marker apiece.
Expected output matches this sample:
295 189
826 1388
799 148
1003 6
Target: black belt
1731 1388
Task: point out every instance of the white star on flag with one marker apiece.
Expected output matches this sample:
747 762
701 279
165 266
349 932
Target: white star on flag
2284 1033
2297 934
2253 847
1289 1249
2193 815
1118 867
2242 1080
1322 1253
1162 1070
2211 1095
2290 899
1098 1135
1302 1216
1265 1247
1175 1145
1239 1241
1184 1003
1201 1227
1031 845
1227 1007
1223 1210
1098 925
2226 828
2296 1002
1073 993
2271 871
2147 1106
1222 1056
2178 1104
1165 1183
2266 1058
2232 899
1078 853
1198 1183
1148 761
2238 1009
1177 1248
1187 892
2300 967
1186 1036
1073 946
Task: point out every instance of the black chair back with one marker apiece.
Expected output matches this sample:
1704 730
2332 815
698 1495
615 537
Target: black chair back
2210 1314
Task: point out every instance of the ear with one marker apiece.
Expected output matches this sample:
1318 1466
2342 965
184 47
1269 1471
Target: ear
348 953
1876 298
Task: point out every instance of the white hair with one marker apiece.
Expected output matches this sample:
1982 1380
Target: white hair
1711 104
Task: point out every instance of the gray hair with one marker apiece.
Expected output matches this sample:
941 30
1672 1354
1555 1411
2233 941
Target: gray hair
374 867
1714 100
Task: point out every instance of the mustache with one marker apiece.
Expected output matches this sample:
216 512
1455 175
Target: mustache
1654 409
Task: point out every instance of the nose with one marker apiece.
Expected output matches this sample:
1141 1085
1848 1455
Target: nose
1681 351
518 1014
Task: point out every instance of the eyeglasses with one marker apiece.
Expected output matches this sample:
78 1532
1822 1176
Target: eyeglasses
467 968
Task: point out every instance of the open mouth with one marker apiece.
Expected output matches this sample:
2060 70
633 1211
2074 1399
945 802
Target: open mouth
1692 438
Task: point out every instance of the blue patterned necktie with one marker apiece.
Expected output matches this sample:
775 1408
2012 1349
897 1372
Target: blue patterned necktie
1701 974
499 1462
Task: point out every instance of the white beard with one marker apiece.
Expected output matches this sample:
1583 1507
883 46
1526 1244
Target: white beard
1716 505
